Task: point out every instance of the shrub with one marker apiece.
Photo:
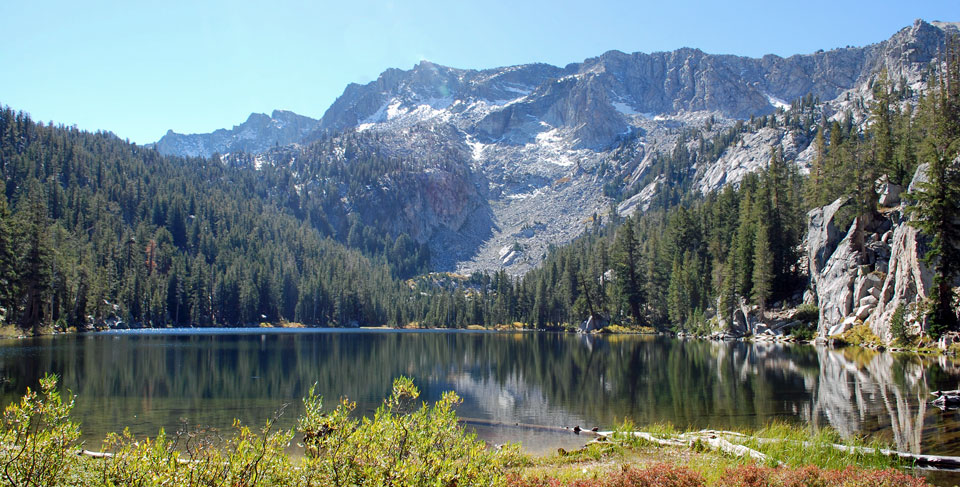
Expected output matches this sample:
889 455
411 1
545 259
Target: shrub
38 442
197 457
757 476
807 313
400 445
860 335
805 331
657 475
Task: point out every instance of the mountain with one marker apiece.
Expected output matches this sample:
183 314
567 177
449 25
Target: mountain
259 133
546 150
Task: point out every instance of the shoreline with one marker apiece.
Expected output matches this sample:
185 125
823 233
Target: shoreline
9 332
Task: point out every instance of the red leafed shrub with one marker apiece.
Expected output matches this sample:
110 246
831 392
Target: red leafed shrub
749 476
514 480
755 476
659 475
666 475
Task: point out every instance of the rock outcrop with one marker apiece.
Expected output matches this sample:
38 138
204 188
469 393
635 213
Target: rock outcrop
908 279
865 284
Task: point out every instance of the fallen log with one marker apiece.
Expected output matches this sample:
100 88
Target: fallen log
714 439
688 440
538 427
105 455
920 460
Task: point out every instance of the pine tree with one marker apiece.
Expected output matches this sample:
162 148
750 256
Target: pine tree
762 267
816 193
626 254
937 207
8 260
882 128
34 267
678 302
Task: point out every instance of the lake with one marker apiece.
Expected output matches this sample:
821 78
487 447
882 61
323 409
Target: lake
149 380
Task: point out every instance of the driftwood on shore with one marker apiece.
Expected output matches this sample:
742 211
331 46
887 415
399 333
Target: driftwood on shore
105 455
707 438
715 439
539 427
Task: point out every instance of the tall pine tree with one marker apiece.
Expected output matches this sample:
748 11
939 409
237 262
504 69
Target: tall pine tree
937 207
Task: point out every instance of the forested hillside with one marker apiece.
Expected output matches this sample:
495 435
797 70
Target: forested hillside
96 230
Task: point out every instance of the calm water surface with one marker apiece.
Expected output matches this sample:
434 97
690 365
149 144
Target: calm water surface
151 380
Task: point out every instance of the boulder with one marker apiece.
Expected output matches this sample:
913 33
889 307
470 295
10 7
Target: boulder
865 282
948 339
841 327
593 323
890 194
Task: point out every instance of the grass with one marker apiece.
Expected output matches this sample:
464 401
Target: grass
800 447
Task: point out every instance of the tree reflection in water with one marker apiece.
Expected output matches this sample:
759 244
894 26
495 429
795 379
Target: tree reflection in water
146 381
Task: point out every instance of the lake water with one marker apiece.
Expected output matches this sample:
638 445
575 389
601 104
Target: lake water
149 380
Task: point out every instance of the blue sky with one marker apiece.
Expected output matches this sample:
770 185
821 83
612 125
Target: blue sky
194 66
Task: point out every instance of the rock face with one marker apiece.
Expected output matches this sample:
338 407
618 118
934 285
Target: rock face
547 146
908 279
834 284
866 285
823 235
259 133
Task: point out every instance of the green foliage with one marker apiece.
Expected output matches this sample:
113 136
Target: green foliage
898 326
807 313
402 444
38 442
195 458
860 335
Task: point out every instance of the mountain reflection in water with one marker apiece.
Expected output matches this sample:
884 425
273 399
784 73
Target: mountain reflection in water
151 380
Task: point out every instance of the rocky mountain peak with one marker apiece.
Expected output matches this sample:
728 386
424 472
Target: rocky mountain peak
546 146
257 134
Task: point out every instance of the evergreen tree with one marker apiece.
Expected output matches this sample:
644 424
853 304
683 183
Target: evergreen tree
626 255
937 207
882 128
762 267
34 266
8 260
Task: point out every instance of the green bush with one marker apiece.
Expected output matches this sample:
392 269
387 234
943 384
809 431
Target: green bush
38 442
400 445
807 313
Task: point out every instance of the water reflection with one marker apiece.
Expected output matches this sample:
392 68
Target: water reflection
151 381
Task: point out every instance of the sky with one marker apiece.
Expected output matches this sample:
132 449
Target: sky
138 69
